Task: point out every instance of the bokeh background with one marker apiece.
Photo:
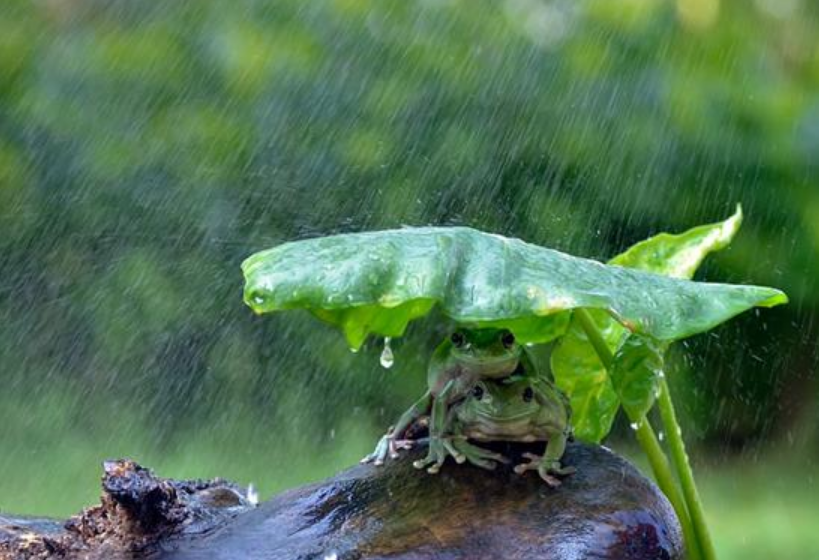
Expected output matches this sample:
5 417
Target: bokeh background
147 147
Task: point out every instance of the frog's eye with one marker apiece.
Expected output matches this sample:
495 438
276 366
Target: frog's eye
458 339
477 392
528 394
508 339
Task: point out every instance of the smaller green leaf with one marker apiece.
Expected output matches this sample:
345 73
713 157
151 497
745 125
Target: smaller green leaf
679 255
635 374
580 374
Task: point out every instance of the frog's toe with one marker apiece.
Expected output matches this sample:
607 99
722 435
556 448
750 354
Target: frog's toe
532 464
396 445
548 479
483 463
523 467
557 468
478 456
452 450
554 467
379 454
546 469
387 447
535 463
431 463
439 448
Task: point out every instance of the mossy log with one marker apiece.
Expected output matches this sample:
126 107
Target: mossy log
606 510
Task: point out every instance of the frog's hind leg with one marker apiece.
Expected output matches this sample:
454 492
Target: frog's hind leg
393 441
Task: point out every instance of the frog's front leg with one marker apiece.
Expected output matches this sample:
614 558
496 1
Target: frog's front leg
392 442
548 464
439 445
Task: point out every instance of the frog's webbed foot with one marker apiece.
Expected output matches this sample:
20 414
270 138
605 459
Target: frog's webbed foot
439 449
478 456
387 447
544 468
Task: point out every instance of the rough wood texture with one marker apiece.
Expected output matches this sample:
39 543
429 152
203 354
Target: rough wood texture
607 510
138 514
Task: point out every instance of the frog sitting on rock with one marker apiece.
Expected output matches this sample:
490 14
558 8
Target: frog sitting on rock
518 408
483 387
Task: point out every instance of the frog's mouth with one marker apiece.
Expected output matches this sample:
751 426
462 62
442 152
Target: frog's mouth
490 427
499 365
506 419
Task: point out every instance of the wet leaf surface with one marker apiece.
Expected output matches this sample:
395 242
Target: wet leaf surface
377 282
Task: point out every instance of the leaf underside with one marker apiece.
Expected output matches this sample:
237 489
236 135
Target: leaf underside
376 282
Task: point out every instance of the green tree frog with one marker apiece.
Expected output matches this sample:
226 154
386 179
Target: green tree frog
517 408
460 362
466 356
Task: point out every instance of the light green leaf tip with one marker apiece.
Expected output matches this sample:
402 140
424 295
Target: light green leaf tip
574 363
680 255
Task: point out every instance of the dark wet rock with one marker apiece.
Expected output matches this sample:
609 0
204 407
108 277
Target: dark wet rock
607 510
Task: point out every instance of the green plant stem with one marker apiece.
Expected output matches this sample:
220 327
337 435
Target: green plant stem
683 468
595 337
665 480
649 443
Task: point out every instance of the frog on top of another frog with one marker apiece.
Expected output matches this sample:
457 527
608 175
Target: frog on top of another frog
471 379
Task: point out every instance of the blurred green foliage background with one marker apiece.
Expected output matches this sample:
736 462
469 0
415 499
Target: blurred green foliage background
147 147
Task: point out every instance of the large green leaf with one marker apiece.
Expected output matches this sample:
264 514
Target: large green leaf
585 380
377 282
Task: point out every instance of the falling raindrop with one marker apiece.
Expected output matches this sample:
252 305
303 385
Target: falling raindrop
635 426
387 357
661 436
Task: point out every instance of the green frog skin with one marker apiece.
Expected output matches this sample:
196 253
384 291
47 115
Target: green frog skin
457 364
520 409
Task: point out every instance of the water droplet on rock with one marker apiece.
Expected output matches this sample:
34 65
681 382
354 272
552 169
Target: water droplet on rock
252 495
